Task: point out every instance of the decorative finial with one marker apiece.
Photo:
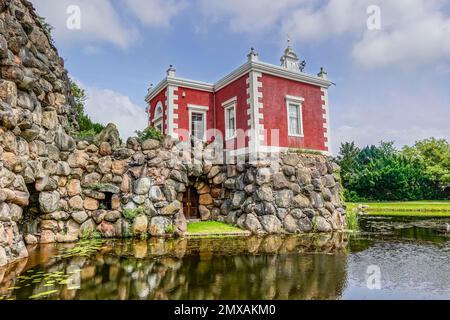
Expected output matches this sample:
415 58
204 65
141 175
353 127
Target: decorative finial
322 74
171 72
289 41
253 55
302 65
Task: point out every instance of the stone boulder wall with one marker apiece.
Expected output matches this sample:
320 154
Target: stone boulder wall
293 194
112 190
137 189
35 116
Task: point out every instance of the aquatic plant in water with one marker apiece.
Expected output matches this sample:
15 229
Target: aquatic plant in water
84 248
48 280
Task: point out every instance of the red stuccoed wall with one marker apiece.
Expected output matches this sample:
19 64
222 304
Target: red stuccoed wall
275 91
195 97
237 88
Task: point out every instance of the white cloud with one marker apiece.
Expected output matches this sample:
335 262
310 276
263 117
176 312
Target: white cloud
99 22
336 18
107 106
421 41
248 15
370 134
404 113
156 12
414 32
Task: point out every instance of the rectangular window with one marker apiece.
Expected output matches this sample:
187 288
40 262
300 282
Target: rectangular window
295 117
198 125
230 122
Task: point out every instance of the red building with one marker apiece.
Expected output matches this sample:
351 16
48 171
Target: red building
257 107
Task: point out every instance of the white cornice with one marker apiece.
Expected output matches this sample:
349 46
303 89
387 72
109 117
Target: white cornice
271 69
179 82
256 66
236 74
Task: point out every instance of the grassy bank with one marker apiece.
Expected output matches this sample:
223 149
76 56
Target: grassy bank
212 227
416 208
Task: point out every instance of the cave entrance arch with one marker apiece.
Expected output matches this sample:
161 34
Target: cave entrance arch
191 204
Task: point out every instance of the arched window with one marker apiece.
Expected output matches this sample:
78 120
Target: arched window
158 117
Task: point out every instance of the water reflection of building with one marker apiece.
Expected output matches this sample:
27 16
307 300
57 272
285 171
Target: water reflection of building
273 267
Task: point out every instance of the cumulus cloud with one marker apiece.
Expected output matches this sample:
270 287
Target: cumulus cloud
107 106
99 22
335 18
156 13
249 15
403 114
413 32
420 38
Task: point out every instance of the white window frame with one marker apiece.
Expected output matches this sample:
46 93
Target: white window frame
158 120
201 110
298 102
227 105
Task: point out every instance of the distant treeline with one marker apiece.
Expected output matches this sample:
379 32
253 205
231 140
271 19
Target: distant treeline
420 172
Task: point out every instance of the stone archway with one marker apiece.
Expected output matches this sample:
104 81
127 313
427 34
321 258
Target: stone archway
208 181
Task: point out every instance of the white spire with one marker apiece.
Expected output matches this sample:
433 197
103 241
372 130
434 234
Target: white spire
290 59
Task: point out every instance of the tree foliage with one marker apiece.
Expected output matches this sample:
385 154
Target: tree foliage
149 133
435 154
384 173
87 128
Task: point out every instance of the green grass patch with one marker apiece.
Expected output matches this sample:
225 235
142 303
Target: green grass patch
427 214
212 227
404 209
420 206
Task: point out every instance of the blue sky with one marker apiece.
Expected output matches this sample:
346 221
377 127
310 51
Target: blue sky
391 83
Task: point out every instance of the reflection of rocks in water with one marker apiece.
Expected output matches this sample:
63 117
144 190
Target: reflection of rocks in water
418 228
8 277
273 267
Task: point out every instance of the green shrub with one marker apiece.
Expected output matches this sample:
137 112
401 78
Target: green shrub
170 229
87 127
305 151
352 196
383 173
352 220
144 236
47 27
150 133
97 186
131 214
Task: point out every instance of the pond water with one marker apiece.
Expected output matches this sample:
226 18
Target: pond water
411 255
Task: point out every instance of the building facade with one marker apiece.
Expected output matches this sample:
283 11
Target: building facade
259 107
